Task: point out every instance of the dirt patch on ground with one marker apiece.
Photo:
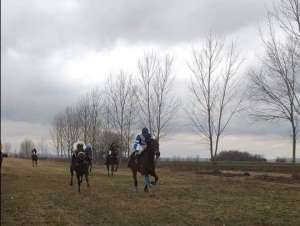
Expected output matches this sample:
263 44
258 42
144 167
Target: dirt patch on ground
268 177
278 179
224 173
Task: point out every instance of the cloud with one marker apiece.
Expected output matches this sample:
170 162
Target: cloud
42 27
54 51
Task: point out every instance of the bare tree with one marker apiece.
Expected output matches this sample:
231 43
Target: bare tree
26 147
84 111
121 93
215 90
287 15
42 147
156 101
56 133
165 102
274 85
96 104
71 128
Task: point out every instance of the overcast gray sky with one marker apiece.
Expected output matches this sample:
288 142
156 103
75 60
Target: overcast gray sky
53 51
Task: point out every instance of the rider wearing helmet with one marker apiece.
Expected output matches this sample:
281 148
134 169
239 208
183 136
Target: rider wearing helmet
88 152
141 140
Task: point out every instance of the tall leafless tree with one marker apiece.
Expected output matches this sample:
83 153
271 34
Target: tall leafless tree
56 133
287 15
274 86
215 90
121 93
71 128
157 102
96 104
84 111
26 147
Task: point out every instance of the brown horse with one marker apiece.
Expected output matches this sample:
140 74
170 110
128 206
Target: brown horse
145 164
34 159
112 159
80 163
2 155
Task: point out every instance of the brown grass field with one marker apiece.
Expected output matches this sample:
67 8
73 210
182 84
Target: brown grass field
42 196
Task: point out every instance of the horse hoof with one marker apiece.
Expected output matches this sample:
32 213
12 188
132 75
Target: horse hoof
146 189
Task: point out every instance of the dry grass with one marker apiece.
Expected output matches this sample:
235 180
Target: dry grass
42 196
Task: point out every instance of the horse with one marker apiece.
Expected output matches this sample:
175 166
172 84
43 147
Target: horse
34 159
112 159
2 155
113 162
79 164
145 164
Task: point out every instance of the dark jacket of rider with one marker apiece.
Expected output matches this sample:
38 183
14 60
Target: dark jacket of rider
34 151
88 151
141 141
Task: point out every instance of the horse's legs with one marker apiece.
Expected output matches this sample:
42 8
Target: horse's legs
71 171
91 165
87 179
36 163
155 176
112 169
134 175
78 181
107 167
32 163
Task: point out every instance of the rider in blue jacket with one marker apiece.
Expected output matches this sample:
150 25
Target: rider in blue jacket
141 140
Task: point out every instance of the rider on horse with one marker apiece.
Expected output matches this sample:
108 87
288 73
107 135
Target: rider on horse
113 152
79 148
88 152
34 151
140 142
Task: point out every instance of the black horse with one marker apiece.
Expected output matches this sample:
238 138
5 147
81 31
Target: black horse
34 159
2 155
79 164
112 159
145 164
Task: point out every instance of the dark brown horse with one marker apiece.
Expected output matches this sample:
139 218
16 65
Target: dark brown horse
34 159
145 164
79 164
2 155
112 159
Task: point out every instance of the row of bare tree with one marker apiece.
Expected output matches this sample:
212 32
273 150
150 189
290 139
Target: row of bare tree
272 89
218 91
113 113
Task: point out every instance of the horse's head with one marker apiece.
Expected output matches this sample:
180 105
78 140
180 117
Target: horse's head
153 146
81 156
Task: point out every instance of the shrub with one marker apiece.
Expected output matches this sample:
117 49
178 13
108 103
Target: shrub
239 156
281 160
